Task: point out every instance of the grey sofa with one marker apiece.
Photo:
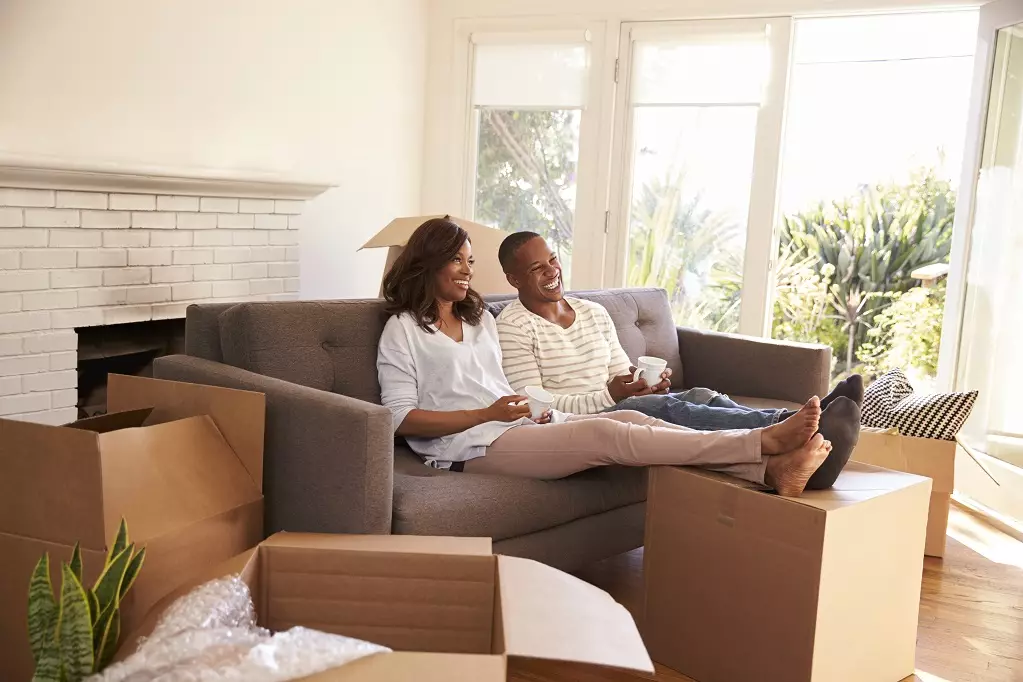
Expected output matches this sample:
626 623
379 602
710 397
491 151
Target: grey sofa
332 463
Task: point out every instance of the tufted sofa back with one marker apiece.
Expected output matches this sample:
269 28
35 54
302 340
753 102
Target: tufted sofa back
332 345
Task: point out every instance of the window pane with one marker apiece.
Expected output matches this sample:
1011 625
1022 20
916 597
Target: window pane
525 174
875 122
690 197
725 70
695 103
550 76
989 357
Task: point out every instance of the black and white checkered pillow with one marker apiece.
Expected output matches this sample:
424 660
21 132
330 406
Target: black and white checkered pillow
890 402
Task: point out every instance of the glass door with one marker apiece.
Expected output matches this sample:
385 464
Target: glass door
992 315
984 316
698 123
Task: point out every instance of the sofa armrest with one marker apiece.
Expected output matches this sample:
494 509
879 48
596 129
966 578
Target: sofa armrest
328 462
754 367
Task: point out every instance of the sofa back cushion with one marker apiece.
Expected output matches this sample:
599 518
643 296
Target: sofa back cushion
329 345
332 345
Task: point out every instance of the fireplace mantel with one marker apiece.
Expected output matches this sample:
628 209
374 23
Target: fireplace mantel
65 175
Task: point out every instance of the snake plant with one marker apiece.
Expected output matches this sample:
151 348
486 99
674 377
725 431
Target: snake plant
75 633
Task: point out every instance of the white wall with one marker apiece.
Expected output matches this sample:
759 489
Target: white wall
325 90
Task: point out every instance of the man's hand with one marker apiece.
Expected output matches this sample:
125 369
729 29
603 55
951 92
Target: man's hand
664 384
622 387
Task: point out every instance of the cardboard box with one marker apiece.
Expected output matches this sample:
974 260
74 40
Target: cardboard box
746 586
488 277
182 463
924 457
450 609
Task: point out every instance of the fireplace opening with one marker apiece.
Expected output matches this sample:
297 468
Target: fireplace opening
121 349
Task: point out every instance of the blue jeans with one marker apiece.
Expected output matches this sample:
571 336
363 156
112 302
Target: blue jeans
701 409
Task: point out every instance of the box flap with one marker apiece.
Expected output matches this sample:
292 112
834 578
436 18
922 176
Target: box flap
164 476
420 667
240 415
548 614
402 544
51 485
858 482
398 231
933 458
113 421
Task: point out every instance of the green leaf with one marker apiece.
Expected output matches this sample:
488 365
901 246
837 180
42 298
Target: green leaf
93 606
132 572
107 646
74 629
42 611
108 585
120 542
76 562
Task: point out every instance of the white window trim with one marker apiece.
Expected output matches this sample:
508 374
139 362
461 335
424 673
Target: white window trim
588 229
754 317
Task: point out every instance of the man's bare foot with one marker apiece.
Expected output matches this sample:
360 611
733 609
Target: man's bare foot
793 432
789 473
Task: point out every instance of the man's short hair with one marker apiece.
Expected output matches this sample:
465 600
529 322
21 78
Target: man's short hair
510 246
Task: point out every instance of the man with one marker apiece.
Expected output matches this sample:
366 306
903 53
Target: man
570 347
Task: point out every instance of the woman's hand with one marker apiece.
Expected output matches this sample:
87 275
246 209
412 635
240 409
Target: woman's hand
544 418
506 410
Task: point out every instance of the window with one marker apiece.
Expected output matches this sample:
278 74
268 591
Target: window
694 99
527 102
876 117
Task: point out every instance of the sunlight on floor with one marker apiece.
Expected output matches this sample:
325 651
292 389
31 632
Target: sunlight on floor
990 543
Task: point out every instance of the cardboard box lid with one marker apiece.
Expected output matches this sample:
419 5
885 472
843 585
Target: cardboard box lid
169 476
857 482
239 415
548 614
398 231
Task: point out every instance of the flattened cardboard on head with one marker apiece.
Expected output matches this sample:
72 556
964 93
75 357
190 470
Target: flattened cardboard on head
745 586
449 608
488 277
923 457
176 464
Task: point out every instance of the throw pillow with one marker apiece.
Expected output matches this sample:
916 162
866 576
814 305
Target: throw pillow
890 402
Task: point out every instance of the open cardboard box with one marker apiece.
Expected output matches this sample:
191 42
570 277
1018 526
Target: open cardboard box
746 586
487 279
182 463
449 608
924 457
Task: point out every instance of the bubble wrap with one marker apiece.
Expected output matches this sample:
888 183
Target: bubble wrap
210 635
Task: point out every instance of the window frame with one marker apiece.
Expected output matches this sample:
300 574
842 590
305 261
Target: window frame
587 232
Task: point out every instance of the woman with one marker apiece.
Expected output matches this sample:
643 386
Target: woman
439 364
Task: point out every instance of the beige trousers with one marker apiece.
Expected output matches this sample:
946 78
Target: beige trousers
625 438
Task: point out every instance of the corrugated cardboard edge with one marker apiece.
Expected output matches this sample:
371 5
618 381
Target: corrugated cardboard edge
239 415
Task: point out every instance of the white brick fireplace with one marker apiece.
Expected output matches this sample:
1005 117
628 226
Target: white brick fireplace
86 249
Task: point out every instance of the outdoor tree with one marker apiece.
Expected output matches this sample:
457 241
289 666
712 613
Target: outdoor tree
525 172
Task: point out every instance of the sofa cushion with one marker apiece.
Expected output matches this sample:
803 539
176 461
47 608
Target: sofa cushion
329 345
642 318
432 502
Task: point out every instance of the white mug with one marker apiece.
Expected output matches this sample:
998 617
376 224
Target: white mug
650 369
539 401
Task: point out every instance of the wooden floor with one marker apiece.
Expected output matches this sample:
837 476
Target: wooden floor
971 611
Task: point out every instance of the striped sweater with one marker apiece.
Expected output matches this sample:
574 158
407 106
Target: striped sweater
574 364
